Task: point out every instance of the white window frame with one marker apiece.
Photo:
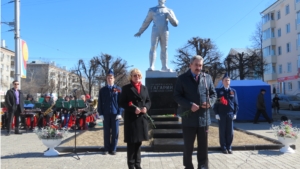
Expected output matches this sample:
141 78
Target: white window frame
289 67
279 69
278 15
287 9
288 28
290 86
279 50
288 47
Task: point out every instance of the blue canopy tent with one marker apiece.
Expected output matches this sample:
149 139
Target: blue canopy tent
247 92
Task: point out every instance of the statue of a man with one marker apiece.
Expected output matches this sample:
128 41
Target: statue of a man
160 15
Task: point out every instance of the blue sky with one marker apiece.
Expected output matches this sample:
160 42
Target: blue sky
65 31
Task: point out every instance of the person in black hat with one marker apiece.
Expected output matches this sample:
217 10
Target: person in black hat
261 107
110 112
226 110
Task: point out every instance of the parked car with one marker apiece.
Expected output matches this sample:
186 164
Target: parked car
298 95
290 102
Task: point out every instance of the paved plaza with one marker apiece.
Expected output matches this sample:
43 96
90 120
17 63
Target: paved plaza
26 152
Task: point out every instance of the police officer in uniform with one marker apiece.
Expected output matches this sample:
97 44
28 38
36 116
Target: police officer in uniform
110 113
226 110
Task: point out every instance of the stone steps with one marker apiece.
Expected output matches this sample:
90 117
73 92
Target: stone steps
167 125
164 118
167 133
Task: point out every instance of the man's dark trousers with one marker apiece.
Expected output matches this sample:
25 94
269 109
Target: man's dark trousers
226 130
111 132
10 118
264 113
189 135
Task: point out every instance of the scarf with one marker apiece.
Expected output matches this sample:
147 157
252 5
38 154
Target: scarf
137 86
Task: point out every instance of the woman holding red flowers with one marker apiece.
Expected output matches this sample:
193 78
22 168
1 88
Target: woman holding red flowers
136 102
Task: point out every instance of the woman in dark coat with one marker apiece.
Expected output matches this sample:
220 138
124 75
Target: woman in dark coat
135 120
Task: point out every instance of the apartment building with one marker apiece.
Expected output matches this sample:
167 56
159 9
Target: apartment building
49 78
281 45
7 68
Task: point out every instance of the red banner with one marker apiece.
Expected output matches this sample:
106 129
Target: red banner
281 79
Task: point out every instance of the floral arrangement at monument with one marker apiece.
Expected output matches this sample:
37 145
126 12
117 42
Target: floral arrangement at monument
286 130
147 115
51 132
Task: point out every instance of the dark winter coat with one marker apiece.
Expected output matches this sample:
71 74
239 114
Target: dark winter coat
135 126
10 100
188 91
260 103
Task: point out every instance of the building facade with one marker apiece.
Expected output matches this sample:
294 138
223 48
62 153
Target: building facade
281 45
48 78
7 68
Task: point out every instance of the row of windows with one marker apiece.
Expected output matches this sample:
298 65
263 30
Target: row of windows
289 85
3 57
270 50
270 16
288 67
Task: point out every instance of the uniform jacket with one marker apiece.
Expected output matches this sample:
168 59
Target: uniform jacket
10 100
108 101
260 104
187 91
135 126
231 96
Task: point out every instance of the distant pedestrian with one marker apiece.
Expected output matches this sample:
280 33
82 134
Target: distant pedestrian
226 110
276 104
261 107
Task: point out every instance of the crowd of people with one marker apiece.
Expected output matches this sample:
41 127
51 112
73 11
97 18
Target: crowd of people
133 101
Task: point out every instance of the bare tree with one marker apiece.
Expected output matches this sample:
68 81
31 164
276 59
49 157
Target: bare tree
246 65
119 66
89 71
198 46
257 39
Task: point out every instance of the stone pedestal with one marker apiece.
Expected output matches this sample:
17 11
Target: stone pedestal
161 88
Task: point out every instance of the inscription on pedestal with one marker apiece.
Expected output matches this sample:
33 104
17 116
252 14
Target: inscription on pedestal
161 92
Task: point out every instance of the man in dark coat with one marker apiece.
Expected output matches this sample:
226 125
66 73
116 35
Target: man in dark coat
195 93
226 110
110 113
261 107
15 104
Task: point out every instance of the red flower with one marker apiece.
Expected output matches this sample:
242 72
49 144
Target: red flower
117 90
223 101
130 104
286 122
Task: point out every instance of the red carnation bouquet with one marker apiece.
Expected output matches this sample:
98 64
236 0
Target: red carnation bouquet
223 101
147 115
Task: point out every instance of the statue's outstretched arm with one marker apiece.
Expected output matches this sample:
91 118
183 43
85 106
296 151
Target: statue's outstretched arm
145 25
172 18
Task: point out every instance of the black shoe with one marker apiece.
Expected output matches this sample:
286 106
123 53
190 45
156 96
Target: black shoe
225 152
202 167
229 151
8 134
17 132
113 153
105 152
31 129
255 123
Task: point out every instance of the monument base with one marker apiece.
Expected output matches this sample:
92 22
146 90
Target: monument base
160 74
